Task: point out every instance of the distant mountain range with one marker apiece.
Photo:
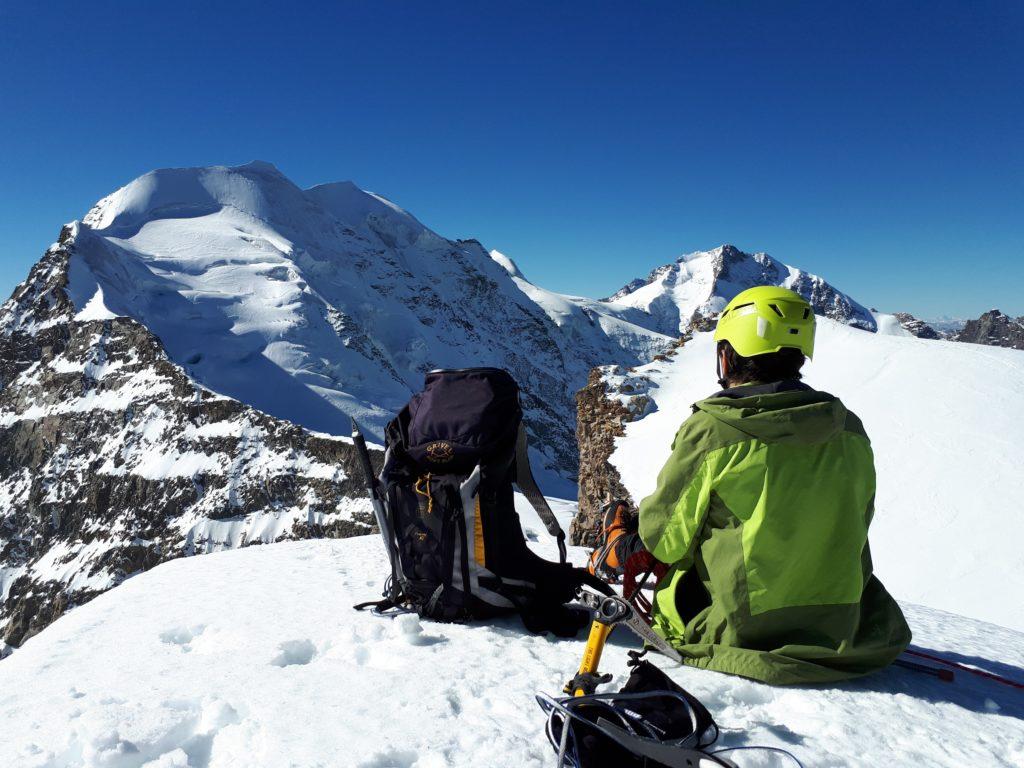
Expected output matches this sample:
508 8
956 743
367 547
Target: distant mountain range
178 371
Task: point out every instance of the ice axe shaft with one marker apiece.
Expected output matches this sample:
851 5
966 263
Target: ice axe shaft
372 484
609 612
376 499
587 679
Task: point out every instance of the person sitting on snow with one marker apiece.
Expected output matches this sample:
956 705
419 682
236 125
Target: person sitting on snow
762 513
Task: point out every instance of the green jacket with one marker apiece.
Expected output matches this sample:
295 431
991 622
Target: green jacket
763 512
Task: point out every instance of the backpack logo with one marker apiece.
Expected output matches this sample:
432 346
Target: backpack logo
440 452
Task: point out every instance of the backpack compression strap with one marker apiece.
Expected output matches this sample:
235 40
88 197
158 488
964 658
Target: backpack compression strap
526 483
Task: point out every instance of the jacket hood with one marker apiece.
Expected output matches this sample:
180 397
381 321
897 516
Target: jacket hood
782 412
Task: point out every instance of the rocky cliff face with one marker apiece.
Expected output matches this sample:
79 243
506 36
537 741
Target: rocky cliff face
112 459
614 396
918 328
994 328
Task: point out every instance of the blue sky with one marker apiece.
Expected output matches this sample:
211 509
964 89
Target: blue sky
879 145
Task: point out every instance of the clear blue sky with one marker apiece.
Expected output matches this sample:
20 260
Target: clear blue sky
879 145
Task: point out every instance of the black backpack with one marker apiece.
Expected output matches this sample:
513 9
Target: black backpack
445 497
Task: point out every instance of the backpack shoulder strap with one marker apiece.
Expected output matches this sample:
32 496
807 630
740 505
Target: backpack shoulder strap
528 485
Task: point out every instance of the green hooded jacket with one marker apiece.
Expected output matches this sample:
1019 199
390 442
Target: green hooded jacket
763 512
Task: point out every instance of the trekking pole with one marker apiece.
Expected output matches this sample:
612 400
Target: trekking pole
379 512
946 675
964 668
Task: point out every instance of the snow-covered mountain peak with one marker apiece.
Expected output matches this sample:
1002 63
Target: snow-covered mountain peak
690 291
256 188
253 195
507 264
321 304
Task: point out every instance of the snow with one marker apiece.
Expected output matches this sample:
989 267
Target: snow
253 657
507 264
328 303
945 421
8 576
67 563
95 309
889 325
204 535
577 317
700 284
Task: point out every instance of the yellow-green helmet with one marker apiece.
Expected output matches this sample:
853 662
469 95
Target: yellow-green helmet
766 319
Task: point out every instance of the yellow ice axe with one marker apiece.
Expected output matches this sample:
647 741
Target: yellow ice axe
609 612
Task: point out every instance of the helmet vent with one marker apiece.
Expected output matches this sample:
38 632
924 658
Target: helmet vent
794 331
775 308
807 312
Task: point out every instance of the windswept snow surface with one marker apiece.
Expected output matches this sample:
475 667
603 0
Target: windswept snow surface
255 658
945 421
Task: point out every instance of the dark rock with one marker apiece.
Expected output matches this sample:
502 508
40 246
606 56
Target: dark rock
112 460
995 329
600 419
919 328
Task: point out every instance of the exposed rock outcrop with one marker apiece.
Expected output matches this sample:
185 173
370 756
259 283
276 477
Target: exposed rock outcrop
612 398
113 460
919 328
995 329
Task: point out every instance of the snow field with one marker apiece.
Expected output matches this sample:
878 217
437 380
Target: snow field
254 657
